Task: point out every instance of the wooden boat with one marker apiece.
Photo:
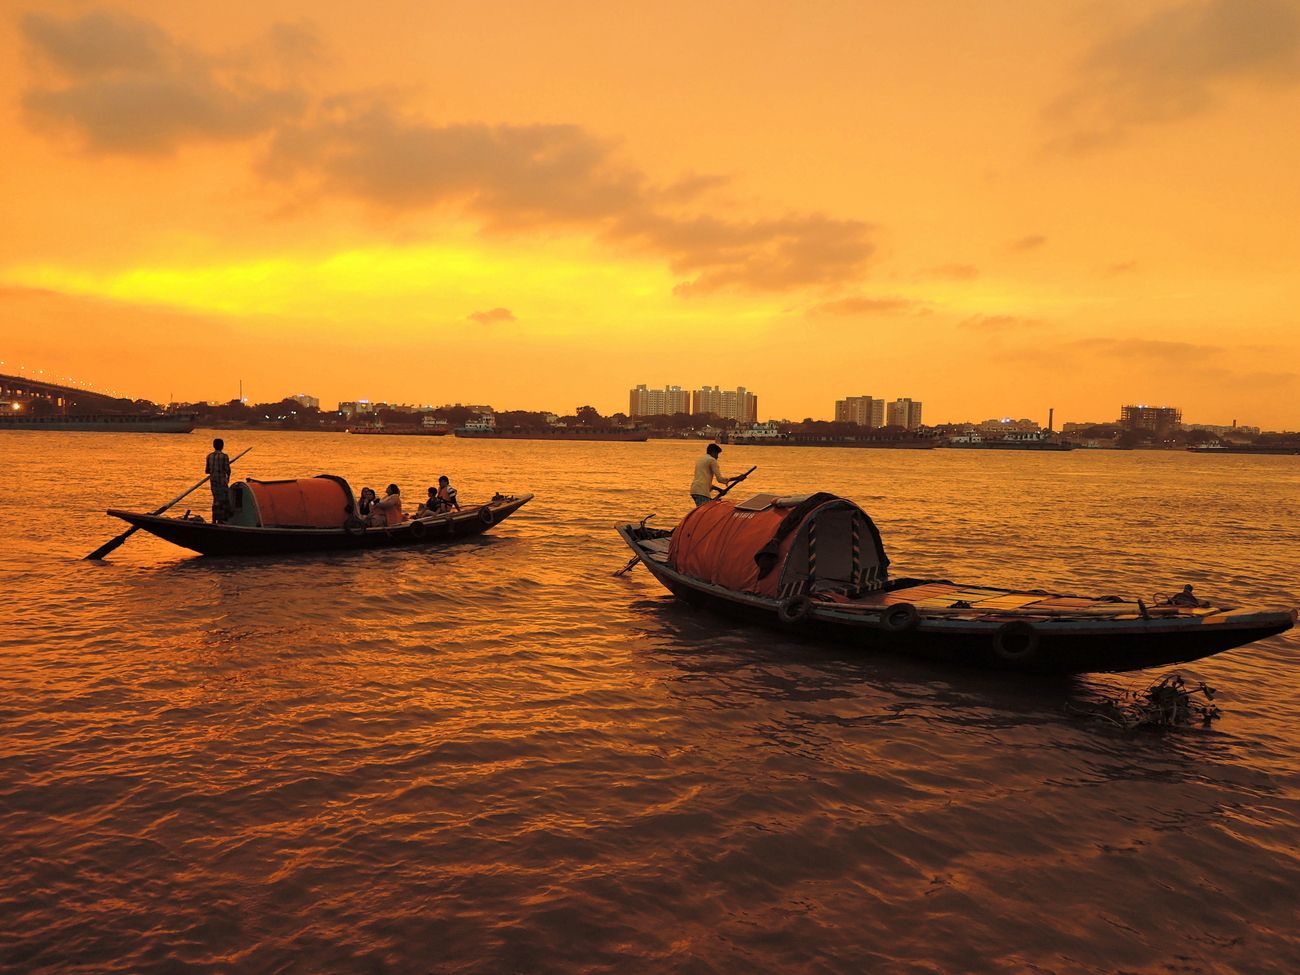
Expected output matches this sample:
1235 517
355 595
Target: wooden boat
102 422
313 514
587 434
815 564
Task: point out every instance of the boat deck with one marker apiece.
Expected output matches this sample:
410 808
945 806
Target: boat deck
951 601
947 600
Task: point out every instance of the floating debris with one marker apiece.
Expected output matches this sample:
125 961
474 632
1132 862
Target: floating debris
1176 700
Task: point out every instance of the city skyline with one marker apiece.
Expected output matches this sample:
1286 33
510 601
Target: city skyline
866 411
307 197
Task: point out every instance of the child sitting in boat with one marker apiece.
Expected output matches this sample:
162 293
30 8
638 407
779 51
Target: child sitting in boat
446 496
430 506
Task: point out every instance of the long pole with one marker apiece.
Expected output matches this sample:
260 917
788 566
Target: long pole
736 481
116 541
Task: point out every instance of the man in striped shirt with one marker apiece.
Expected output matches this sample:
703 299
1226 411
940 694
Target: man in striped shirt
218 469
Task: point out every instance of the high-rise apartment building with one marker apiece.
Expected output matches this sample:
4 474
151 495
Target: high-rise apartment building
730 404
865 411
643 401
1159 419
904 412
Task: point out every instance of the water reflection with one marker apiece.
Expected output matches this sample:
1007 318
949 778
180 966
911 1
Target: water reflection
316 764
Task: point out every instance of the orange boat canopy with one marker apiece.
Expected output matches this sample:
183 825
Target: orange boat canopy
324 501
779 546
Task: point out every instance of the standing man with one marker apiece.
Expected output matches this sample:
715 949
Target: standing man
706 472
218 469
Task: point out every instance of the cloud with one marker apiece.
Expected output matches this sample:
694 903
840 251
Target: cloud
508 174
1161 350
124 86
492 316
1174 64
1122 267
1029 243
956 272
517 177
861 305
764 255
999 323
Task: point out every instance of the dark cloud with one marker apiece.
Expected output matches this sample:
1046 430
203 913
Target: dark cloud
764 255
999 323
1173 64
1029 243
861 305
515 177
956 272
1122 267
493 316
507 174
124 86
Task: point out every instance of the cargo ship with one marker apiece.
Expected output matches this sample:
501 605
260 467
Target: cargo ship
1242 448
399 429
103 422
586 434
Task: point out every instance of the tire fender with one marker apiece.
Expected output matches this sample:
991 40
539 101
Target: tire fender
1016 642
485 515
419 529
795 609
899 618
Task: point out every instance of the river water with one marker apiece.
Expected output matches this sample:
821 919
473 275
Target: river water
496 757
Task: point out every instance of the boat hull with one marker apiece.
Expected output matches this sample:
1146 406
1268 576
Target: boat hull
233 540
1060 645
103 423
630 436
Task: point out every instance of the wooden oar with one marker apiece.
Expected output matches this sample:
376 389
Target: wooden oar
113 543
723 491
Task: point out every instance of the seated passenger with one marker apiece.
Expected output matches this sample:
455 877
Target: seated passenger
366 503
389 511
446 495
428 506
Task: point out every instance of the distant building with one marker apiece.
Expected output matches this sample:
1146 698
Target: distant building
1221 430
770 430
904 412
1076 427
732 404
862 410
357 407
643 401
1157 419
311 402
1006 426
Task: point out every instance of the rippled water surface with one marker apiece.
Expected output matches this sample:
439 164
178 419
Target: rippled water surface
496 757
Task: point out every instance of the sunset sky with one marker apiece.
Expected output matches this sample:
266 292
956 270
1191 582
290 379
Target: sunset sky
991 207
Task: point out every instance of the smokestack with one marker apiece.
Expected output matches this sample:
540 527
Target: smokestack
1051 414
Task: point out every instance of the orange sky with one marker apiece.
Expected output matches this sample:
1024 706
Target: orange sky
993 208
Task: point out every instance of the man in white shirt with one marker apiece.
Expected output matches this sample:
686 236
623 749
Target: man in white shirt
706 472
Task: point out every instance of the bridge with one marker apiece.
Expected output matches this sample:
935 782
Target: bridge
23 393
